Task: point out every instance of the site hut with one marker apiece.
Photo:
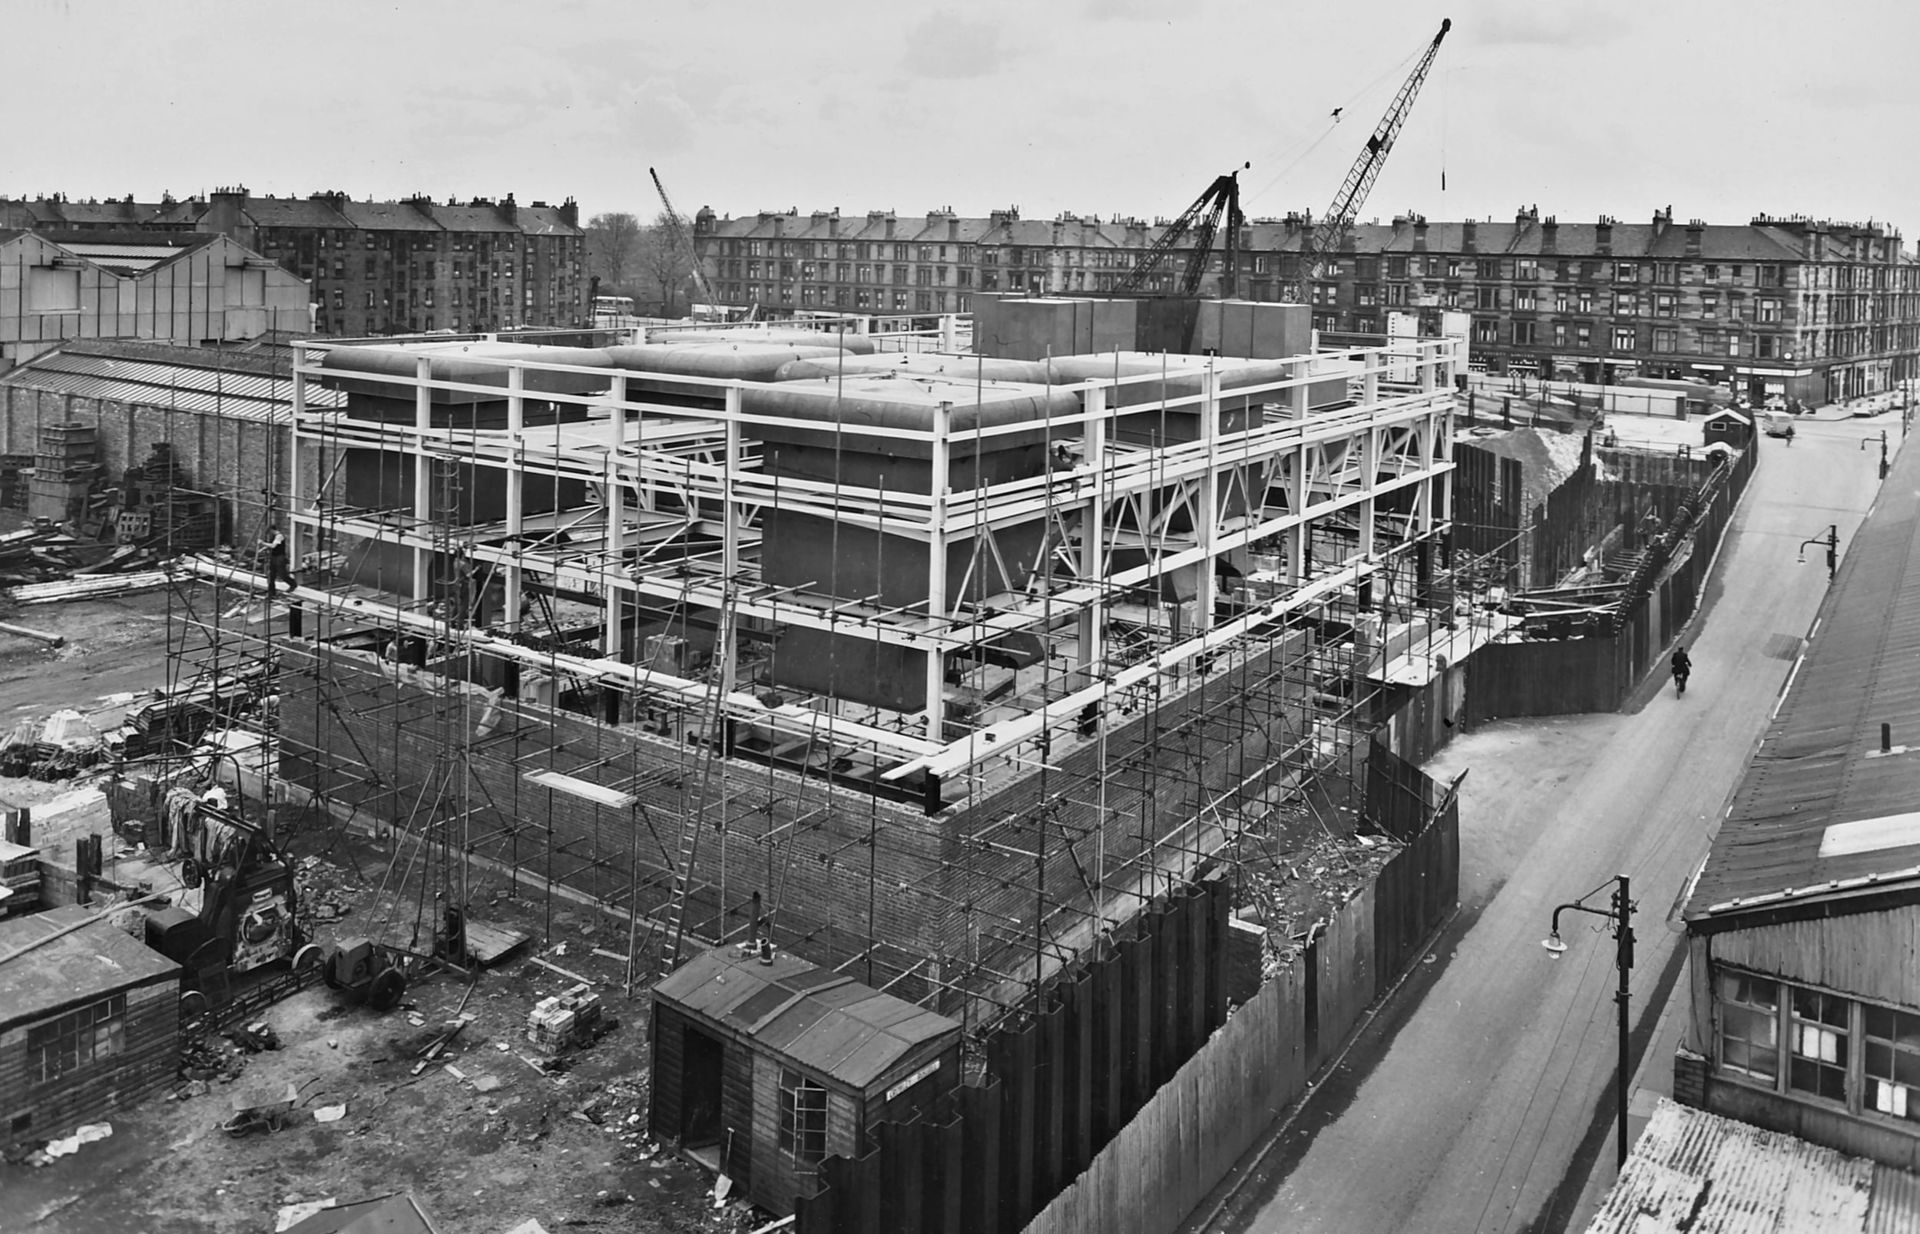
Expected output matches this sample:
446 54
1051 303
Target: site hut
89 1022
764 1065
1727 427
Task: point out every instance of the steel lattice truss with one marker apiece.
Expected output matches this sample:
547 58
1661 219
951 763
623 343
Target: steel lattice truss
675 498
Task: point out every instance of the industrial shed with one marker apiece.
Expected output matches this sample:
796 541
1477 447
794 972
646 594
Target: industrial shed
1803 924
89 1022
764 1067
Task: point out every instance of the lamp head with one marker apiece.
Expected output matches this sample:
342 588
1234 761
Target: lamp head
1553 944
1802 558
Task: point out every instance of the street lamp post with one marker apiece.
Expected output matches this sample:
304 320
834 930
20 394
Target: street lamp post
1621 915
1832 541
1867 441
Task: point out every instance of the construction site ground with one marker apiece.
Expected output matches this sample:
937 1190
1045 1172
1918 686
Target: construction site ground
497 1139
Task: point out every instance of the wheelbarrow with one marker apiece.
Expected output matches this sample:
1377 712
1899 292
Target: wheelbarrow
257 1111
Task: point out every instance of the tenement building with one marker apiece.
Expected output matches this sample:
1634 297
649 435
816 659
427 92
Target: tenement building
377 267
1793 306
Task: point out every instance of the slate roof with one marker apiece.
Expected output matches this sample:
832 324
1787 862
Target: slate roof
86 964
819 1019
387 216
293 212
1819 762
1525 235
1698 1173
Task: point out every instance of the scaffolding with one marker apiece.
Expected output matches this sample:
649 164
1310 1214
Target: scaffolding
534 644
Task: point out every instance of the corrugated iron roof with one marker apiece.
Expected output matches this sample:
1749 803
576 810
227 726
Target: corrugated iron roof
244 387
1697 1172
827 1023
90 962
1819 762
1896 1202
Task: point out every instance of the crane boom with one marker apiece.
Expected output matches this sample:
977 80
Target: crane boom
682 238
1366 169
1202 219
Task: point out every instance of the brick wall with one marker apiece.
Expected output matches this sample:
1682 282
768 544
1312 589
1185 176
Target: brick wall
1690 1079
838 870
232 458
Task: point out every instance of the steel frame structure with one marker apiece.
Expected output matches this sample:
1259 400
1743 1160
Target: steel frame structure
1376 468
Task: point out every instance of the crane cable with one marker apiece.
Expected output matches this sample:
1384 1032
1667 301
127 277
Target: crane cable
1333 122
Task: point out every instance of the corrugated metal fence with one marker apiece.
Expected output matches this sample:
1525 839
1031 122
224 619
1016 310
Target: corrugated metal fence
1568 676
1183 1142
1063 1083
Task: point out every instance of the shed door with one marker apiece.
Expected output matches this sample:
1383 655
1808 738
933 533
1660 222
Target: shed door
700 1090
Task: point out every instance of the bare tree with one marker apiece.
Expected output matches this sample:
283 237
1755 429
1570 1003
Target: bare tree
663 266
612 239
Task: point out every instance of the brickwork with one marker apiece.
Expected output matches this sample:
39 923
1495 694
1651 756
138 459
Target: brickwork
1690 1079
230 458
839 870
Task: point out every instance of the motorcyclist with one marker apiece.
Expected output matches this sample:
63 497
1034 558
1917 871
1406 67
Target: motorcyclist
1682 668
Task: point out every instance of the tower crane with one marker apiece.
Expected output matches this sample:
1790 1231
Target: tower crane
682 239
1202 219
1353 192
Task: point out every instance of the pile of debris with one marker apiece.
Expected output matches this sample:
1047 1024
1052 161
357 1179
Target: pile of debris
57 748
40 553
322 892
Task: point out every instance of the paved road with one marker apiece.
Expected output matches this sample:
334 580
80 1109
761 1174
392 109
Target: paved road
1480 1095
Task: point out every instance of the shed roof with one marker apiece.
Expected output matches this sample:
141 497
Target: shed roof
1786 840
240 385
818 1018
90 962
1698 1172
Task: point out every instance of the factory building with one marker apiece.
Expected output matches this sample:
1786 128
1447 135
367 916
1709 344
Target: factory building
377 267
178 288
1803 1001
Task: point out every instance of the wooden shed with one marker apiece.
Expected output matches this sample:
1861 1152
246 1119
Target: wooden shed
761 1070
1727 426
89 1022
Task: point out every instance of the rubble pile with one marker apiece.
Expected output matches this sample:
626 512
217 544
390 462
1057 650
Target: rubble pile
324 896
38 554
57 748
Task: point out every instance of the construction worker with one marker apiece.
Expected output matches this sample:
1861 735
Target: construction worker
277 561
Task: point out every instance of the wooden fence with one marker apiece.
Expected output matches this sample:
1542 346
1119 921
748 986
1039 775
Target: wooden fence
1219 1104
1599 672
1107 1034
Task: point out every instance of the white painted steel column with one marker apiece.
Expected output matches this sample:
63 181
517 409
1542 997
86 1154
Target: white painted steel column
1207 517
1297 540
940 460
422 474
516 486
1093 532
1370 479
614 503
727 649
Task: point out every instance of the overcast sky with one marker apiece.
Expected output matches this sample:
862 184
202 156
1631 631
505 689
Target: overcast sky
1720 108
